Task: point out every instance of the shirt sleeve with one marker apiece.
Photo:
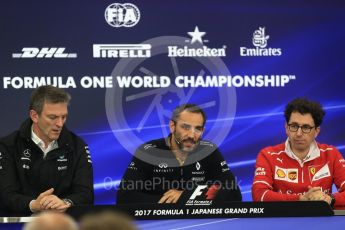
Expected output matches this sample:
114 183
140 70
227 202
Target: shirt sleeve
137 186
263 184
339 178
81 191
220 175
11 192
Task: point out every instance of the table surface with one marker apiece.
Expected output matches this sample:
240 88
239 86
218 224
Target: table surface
281 223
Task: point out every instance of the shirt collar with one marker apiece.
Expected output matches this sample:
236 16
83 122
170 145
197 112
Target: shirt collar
38 141
35 138
314 152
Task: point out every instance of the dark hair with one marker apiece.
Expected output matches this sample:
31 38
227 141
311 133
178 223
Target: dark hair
190 108
49 94
304 106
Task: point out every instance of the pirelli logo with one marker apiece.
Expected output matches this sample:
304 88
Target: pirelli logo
121 50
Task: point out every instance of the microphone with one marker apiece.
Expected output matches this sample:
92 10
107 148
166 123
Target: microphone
179 143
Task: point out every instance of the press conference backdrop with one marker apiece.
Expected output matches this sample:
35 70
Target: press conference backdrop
128 64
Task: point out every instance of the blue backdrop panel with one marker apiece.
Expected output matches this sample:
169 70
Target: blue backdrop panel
301 42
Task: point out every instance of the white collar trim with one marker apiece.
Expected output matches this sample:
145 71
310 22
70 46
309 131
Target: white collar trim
314 152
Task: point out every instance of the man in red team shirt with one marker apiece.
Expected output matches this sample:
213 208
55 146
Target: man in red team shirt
300 169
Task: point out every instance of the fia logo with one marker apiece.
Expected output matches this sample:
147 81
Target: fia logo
122 15
45 52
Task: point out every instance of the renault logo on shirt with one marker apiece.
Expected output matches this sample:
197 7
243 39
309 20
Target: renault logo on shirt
197 166
198 171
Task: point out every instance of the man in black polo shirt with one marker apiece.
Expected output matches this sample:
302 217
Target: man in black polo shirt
180 166
44 166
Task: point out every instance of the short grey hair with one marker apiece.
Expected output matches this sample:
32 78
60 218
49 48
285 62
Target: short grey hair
190 108
49 94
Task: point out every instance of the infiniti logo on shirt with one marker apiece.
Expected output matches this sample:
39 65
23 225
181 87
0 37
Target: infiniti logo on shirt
163 168
163 165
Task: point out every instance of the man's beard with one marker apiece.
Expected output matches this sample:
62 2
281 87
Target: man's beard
180 143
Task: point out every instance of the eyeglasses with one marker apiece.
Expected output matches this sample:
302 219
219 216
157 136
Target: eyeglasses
304 128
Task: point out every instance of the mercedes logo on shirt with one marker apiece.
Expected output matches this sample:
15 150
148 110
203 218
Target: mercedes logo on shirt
27 153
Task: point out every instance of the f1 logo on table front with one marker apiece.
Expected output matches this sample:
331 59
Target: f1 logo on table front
203 195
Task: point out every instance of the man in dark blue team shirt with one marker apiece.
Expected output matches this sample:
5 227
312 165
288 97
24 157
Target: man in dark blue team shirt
180 166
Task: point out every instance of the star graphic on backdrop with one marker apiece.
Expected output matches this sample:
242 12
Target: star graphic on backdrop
196 35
